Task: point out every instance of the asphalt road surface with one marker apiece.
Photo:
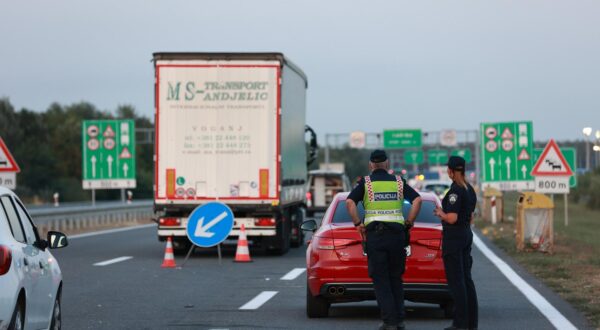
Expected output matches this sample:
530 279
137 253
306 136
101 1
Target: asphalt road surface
114 281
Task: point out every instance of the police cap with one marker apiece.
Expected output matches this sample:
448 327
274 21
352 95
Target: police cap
456 163
378 156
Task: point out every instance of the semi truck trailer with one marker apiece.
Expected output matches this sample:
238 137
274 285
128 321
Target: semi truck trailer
230 127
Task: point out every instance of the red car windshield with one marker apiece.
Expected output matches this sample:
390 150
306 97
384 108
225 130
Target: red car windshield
425 215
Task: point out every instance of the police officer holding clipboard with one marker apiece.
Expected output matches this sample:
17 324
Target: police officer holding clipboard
386 231
456 214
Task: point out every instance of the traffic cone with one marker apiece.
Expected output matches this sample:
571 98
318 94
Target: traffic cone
242 254
169 261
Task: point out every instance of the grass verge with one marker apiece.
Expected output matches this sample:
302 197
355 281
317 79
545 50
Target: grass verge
573 271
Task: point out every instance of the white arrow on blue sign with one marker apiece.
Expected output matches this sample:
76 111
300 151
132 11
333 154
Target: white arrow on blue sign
209 224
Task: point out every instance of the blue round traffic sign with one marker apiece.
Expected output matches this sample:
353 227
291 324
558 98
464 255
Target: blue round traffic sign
209 224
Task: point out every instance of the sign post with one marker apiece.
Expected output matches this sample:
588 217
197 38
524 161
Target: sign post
552 174
108 154
209 225
507 155
8 168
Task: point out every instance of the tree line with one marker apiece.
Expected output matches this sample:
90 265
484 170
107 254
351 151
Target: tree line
47 147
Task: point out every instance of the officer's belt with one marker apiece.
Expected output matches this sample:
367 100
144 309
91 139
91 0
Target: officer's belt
382 225
382 212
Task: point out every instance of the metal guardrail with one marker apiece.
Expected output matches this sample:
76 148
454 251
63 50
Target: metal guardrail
85 216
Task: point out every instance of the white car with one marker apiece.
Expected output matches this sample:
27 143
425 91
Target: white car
30 279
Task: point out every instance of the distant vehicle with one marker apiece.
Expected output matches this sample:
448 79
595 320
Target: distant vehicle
337 269
436 186
30 278
322 186
231 127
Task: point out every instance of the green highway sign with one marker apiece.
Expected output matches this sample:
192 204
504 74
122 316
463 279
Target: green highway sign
402 138
464 153
571 157
108 154
507 155
413 157
437 157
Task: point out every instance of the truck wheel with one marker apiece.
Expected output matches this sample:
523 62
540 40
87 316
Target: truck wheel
283 238
297 233
316 306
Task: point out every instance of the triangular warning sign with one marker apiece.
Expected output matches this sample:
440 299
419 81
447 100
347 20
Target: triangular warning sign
552 162
507 134
109 132
7 162
524 155
125 154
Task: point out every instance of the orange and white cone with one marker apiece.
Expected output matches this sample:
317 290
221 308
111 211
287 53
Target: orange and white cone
169 261
242 254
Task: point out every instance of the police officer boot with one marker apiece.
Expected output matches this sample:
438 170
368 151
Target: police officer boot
454 328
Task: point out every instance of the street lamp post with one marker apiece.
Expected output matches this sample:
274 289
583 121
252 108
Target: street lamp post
587 132
597 149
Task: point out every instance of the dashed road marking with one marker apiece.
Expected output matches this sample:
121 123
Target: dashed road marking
550 312
259 300
111 231
112 261
293 274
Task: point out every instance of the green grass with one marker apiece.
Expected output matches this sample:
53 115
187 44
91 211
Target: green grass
573 270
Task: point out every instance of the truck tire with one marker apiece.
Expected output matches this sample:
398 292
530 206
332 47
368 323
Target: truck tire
297 233
280 244
316 307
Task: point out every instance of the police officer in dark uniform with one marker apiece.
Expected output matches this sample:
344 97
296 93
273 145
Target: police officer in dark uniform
456 215
386 230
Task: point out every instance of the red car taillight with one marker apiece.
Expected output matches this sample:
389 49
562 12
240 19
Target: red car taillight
433 244
335 244
169 222
5 260
264 222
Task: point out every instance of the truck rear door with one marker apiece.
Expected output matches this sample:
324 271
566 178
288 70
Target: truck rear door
217 131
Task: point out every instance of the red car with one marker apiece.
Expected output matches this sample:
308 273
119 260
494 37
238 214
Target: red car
337 268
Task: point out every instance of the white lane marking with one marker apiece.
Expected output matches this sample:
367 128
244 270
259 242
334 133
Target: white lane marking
551 313
293 274
259 300
110 231
112 261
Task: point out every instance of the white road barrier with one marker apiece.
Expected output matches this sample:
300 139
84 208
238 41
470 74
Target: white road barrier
112 261
293 274
551 313
259 300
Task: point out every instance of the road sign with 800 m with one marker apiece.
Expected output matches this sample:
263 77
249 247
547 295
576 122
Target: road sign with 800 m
108 154
507 155
571 157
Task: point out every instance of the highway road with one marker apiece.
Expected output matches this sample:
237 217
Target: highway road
114 281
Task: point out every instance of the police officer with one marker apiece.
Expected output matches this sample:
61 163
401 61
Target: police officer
456 215
385 229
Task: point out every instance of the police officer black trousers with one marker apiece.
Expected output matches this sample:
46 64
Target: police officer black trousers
387 258
458 263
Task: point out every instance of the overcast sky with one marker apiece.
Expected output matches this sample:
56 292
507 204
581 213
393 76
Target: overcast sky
371 64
